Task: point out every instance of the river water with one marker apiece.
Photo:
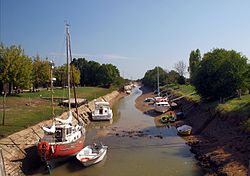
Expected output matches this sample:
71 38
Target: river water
136 147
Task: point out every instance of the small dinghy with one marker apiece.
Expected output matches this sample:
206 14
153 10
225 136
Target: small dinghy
168 119
184 130
92 154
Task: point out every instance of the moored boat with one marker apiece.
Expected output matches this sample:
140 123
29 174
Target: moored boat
92 154
184 130
161 107
102 111
64 138
168 119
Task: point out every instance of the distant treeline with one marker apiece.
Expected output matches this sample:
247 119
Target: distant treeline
19 71
217 74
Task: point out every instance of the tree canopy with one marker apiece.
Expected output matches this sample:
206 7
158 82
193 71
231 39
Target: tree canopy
61 73
220 74
95 74
194 61
41 71
150 77
15 67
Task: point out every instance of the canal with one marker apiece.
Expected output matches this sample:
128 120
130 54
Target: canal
136 147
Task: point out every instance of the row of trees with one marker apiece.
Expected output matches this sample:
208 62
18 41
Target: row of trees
95 74
20 71
219 73
165 77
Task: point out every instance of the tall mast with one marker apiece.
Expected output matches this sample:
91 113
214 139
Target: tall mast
158 84
51 87
68 66
73 78
70 70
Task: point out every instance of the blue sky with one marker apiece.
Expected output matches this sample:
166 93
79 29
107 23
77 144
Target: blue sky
134 35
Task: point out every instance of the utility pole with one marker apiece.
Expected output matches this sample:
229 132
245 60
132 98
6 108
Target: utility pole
4 96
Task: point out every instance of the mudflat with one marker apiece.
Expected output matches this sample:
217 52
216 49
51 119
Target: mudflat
218 143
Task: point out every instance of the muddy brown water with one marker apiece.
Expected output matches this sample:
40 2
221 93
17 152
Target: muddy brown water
136 147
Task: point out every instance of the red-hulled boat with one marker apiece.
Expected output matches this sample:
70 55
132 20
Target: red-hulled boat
64 138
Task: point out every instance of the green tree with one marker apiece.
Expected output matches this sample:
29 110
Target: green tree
61 75
41 72
173 76
194 61
220 74
82 65
15 67
107 75
150 77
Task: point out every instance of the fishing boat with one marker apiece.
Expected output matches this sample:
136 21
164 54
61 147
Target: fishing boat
102 111
65 137
168 119
184 130
92 154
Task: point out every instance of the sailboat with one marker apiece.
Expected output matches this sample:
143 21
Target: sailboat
63 138
161 103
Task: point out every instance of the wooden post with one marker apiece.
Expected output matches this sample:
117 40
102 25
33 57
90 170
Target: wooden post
4 96
2 167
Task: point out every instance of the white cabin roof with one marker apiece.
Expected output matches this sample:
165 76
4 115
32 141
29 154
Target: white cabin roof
103 103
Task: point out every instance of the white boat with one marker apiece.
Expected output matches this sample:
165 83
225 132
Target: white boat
184 130
128 91
92 154
102 111
161 107
161 103
160 99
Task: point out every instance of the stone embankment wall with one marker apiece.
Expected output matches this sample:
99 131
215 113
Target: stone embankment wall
18 149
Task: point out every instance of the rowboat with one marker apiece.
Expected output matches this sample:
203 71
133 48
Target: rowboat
92 154
184 130
168 119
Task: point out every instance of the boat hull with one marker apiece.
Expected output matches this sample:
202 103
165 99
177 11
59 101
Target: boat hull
167 119
92 158
188 132
102 117
184 130
162 109
95 161
59 150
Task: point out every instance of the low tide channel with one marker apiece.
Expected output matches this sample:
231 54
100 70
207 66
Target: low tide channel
136 147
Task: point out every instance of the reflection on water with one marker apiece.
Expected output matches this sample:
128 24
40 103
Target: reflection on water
136 147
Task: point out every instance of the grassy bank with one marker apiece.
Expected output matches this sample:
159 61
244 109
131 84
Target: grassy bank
181 90
27 109
235 107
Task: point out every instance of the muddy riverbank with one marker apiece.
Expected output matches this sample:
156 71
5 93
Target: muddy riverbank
218 143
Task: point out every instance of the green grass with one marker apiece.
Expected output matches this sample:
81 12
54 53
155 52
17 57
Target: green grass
236 107
89 93
27 109
182 90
